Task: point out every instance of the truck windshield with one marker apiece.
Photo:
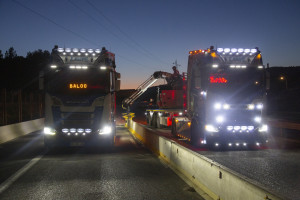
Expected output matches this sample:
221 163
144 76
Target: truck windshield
73 82
237 86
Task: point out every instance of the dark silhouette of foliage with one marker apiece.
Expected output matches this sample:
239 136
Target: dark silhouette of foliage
17 72
1 55
11 53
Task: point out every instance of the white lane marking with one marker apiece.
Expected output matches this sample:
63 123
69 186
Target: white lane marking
19 173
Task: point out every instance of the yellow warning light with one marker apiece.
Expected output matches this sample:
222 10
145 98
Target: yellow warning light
258 56
190 52
176 120
213 54
189 123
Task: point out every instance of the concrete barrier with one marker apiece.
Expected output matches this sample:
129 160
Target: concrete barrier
12 131
217 181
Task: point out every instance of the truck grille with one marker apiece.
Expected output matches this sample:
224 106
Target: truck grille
77 120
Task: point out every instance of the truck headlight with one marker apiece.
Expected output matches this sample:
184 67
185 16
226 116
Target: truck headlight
263 128
106 130
220 119
211 128
49 131
257 119
251 107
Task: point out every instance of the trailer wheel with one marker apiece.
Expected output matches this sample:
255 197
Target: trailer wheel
174 128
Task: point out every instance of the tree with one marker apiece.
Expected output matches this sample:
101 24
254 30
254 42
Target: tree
1 55
11 53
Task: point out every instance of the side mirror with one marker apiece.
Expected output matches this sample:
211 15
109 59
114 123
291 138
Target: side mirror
118 75
118 85
118 82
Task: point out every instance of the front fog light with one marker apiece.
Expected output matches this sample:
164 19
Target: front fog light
48 131
105 130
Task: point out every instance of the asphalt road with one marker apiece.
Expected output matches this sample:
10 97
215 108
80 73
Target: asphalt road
276 168
128 171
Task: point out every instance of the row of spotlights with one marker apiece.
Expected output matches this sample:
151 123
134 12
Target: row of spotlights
234 50
75 50
74 130
238 66
243 128
219 106
78 67
79 54
237 144
257 106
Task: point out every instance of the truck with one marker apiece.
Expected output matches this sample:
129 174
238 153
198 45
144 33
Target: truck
226 90
80 99
219 102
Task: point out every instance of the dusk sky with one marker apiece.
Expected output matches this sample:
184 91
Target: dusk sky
148 36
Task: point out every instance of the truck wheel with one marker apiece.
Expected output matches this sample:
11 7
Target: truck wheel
174 128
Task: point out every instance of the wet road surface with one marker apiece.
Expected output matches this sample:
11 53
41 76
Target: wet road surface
128 171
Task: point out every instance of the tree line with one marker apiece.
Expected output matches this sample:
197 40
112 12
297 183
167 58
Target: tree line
18 72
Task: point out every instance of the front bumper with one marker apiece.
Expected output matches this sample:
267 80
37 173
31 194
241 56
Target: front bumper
93 139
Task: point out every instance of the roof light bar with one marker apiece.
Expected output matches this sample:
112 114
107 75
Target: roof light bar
240 50
226 50
220 50
233 50
253 50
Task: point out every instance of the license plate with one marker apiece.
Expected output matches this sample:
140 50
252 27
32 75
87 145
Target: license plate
76 144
